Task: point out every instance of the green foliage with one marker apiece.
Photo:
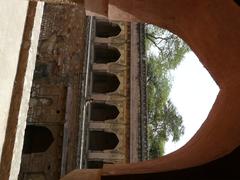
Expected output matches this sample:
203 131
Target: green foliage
164 53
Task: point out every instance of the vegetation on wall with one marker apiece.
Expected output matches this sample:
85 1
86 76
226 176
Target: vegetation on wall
165 52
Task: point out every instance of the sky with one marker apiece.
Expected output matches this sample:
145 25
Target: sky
193 93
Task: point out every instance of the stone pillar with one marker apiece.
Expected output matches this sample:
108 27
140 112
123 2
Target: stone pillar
97 125
100 67
102 40
108 156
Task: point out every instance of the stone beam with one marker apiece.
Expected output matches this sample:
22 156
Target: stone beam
108 156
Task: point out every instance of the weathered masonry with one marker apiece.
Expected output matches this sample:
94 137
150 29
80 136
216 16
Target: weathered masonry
53 115
211 28
85 99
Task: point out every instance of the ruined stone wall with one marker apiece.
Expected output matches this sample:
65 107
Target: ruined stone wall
56 92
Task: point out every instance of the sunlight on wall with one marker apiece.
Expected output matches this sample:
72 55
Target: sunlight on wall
193 93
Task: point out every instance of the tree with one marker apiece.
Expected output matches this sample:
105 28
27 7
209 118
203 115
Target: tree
171 49
165 51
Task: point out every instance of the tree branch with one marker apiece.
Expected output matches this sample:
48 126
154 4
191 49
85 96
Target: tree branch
155 44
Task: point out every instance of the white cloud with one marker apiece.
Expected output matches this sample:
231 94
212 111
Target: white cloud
193 93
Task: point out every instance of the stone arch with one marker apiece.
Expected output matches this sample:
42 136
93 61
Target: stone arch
104 53
219 135
105 29
37 139
104 82
101 140
103 111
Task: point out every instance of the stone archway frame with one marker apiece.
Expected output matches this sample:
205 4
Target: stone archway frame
211 28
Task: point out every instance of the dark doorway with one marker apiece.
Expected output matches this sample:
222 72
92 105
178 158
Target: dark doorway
105 29
104 82
105 54
37 139
96 164
102 111
100 140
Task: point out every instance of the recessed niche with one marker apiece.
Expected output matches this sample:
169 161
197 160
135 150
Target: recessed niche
103 111
104 53
105 29
105 82
101 140
37 139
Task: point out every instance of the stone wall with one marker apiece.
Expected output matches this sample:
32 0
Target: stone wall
55 94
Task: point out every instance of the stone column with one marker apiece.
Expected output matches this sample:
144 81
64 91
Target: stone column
108 156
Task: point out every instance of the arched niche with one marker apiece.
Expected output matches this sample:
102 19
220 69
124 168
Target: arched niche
105 29
104 53
102 111
104 82
37 139
101 140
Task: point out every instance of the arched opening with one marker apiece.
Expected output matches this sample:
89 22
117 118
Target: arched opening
186 93
96 164
102 111
37 139
105 54
104 82
100 140
105 29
